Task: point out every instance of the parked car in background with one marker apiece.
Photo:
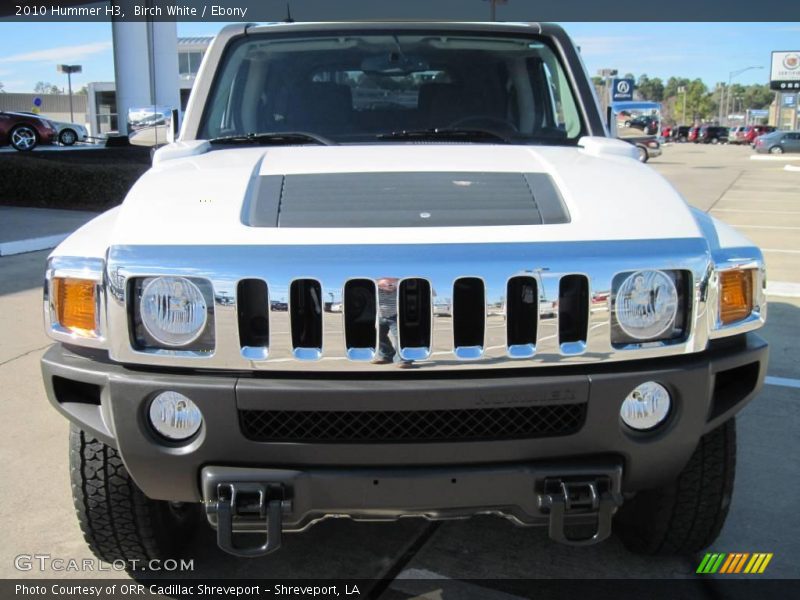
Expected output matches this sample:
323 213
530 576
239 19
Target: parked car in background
680 133
68 133
648 147
691 136
733 132
778 142
25 131
739 136
646 123
712 134
754 131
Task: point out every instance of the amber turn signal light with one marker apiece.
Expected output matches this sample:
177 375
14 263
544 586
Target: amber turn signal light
736 295
74 301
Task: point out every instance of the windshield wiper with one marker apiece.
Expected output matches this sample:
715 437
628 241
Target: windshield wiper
471 135
274 137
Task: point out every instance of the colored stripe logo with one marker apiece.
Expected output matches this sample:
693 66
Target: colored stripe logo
734 562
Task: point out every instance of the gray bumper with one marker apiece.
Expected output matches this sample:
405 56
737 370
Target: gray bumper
111 401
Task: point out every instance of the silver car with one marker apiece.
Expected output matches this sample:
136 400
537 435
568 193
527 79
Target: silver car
68 133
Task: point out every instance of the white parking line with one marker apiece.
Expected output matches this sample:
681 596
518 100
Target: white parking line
783 382
783 288
766 227
750 210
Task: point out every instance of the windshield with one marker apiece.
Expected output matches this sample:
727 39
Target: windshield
356 88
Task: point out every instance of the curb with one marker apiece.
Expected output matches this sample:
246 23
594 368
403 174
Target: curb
31 244
773 157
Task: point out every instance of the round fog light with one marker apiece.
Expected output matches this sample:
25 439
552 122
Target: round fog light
646 406
174 416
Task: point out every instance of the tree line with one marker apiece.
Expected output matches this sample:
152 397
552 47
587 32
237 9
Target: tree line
702 102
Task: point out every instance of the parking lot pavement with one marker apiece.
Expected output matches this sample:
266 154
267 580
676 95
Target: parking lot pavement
759 198
763 515
25 229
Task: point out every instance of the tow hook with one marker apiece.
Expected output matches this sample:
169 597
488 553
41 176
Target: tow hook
596 498
248 500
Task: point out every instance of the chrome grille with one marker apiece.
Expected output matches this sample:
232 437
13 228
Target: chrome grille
386 426
458 306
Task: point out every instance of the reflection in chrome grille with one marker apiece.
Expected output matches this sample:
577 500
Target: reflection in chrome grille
530 292
305 307
252 307
522 305
414 319
573 313
469 317
360 317
386 426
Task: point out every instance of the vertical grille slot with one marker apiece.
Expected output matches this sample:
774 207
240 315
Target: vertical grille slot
305 308
360 319
414 319
469 317
522 308
252 307
573 313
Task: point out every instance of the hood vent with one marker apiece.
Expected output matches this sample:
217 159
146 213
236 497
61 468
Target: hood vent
419 199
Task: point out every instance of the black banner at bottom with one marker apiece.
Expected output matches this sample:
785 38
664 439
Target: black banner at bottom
402 588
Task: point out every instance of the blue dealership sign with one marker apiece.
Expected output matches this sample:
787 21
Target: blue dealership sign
621 89
789 100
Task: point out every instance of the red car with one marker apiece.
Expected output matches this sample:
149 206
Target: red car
25 132
753 131
693 133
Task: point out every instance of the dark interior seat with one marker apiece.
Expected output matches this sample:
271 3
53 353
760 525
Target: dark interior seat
320 107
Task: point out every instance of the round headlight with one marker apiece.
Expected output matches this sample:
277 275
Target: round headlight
173 310
646 406
646 304
174 416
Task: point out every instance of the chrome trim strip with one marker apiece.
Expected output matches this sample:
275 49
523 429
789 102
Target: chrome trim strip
440 265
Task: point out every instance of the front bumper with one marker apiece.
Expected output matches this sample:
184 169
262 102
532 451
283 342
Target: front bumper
110 401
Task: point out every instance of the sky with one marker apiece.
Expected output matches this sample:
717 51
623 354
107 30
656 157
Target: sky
29 52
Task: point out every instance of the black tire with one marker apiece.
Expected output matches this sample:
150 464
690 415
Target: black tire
117 520
67 137
23 138
687 515
643 155
776 150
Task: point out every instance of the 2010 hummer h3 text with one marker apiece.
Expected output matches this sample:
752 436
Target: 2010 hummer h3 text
399 270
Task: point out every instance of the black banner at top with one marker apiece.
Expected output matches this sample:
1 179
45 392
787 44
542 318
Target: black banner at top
339 10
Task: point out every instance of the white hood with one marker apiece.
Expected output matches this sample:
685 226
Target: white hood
198 199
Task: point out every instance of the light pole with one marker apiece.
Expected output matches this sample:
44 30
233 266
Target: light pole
493 8
69 70
727 95
682 90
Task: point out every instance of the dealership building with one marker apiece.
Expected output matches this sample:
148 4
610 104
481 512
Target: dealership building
98 108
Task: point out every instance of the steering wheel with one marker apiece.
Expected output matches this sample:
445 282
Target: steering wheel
507 126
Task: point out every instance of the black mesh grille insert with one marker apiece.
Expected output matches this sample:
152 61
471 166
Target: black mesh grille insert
518 422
